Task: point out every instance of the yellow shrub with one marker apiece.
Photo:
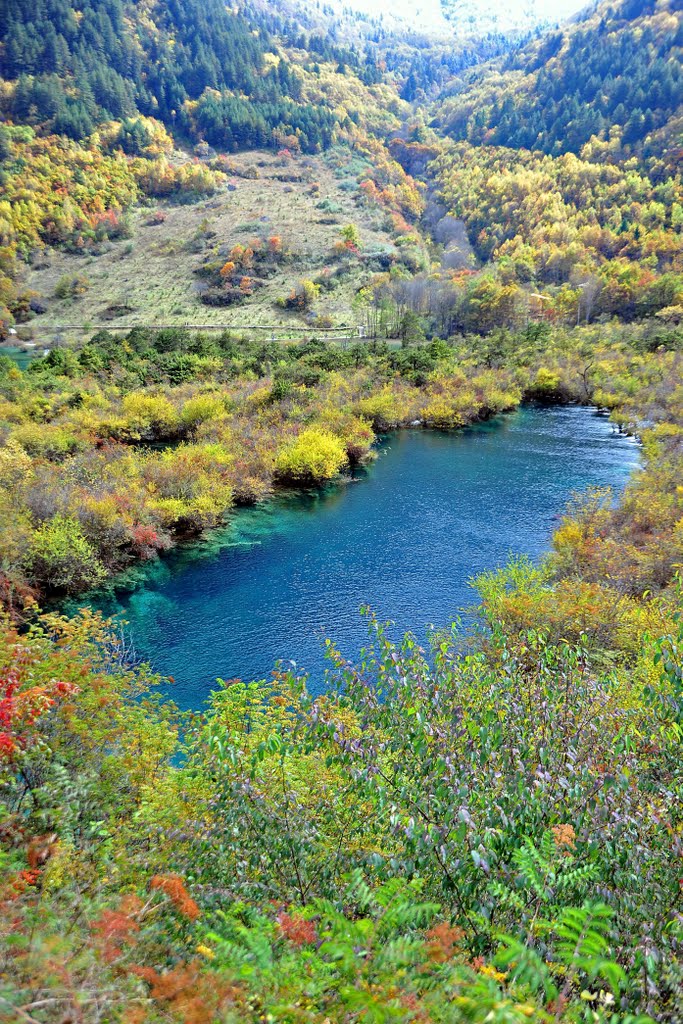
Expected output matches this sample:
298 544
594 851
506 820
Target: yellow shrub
546 383
189 486
145 413
47 440
170 510
605 400
356 433
382 409
104 511
499 400
15 464
10 412
443 412
200 410
314 456
259 397
569 536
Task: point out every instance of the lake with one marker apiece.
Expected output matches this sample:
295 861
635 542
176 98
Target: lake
405 537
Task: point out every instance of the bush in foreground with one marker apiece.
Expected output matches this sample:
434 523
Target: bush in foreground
485 836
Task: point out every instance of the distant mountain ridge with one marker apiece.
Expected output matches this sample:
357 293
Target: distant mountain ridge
446 18
514 17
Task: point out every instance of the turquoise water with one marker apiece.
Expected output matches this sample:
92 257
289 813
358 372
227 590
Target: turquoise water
21 356
404 537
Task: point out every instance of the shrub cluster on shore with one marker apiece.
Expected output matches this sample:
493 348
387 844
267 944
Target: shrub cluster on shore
115 452
488 831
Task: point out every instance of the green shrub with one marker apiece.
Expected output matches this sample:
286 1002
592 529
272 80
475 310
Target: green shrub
61 558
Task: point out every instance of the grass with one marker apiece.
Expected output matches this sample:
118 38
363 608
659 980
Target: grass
150 278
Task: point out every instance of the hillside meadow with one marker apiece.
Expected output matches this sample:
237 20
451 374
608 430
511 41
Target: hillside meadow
152 276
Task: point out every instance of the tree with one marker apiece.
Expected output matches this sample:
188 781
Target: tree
351 236
302 296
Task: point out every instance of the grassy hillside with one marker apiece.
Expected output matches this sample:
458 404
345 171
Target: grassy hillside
146 232
151 276
86 195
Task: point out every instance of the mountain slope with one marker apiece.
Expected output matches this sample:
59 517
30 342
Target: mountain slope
73 64
105 97
615 75
516 16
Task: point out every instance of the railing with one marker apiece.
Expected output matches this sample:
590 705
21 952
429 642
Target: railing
358 332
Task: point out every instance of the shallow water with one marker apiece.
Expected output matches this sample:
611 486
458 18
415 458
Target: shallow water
22 357
405 537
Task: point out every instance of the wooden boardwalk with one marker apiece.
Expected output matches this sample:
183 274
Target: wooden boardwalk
111 326
340 334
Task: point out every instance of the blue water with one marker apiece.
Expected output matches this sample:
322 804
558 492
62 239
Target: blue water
405 538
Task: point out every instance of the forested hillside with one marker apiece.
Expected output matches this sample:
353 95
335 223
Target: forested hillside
102 101
567 175
75 66
516 17
616 74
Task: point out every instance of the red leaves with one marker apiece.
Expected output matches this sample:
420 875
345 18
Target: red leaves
21 705
115 928
145 536
158 217
40 849
167 987
299 931
30 876
174 888
146 541
8 688
443 942
15 887
107 223
65 689
118 928
190 997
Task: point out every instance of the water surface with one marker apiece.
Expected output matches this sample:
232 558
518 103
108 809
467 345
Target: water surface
405 538
21 357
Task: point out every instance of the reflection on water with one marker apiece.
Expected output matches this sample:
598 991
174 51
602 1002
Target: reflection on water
21 357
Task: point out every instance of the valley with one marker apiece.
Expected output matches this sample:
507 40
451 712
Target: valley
406 535
341 512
